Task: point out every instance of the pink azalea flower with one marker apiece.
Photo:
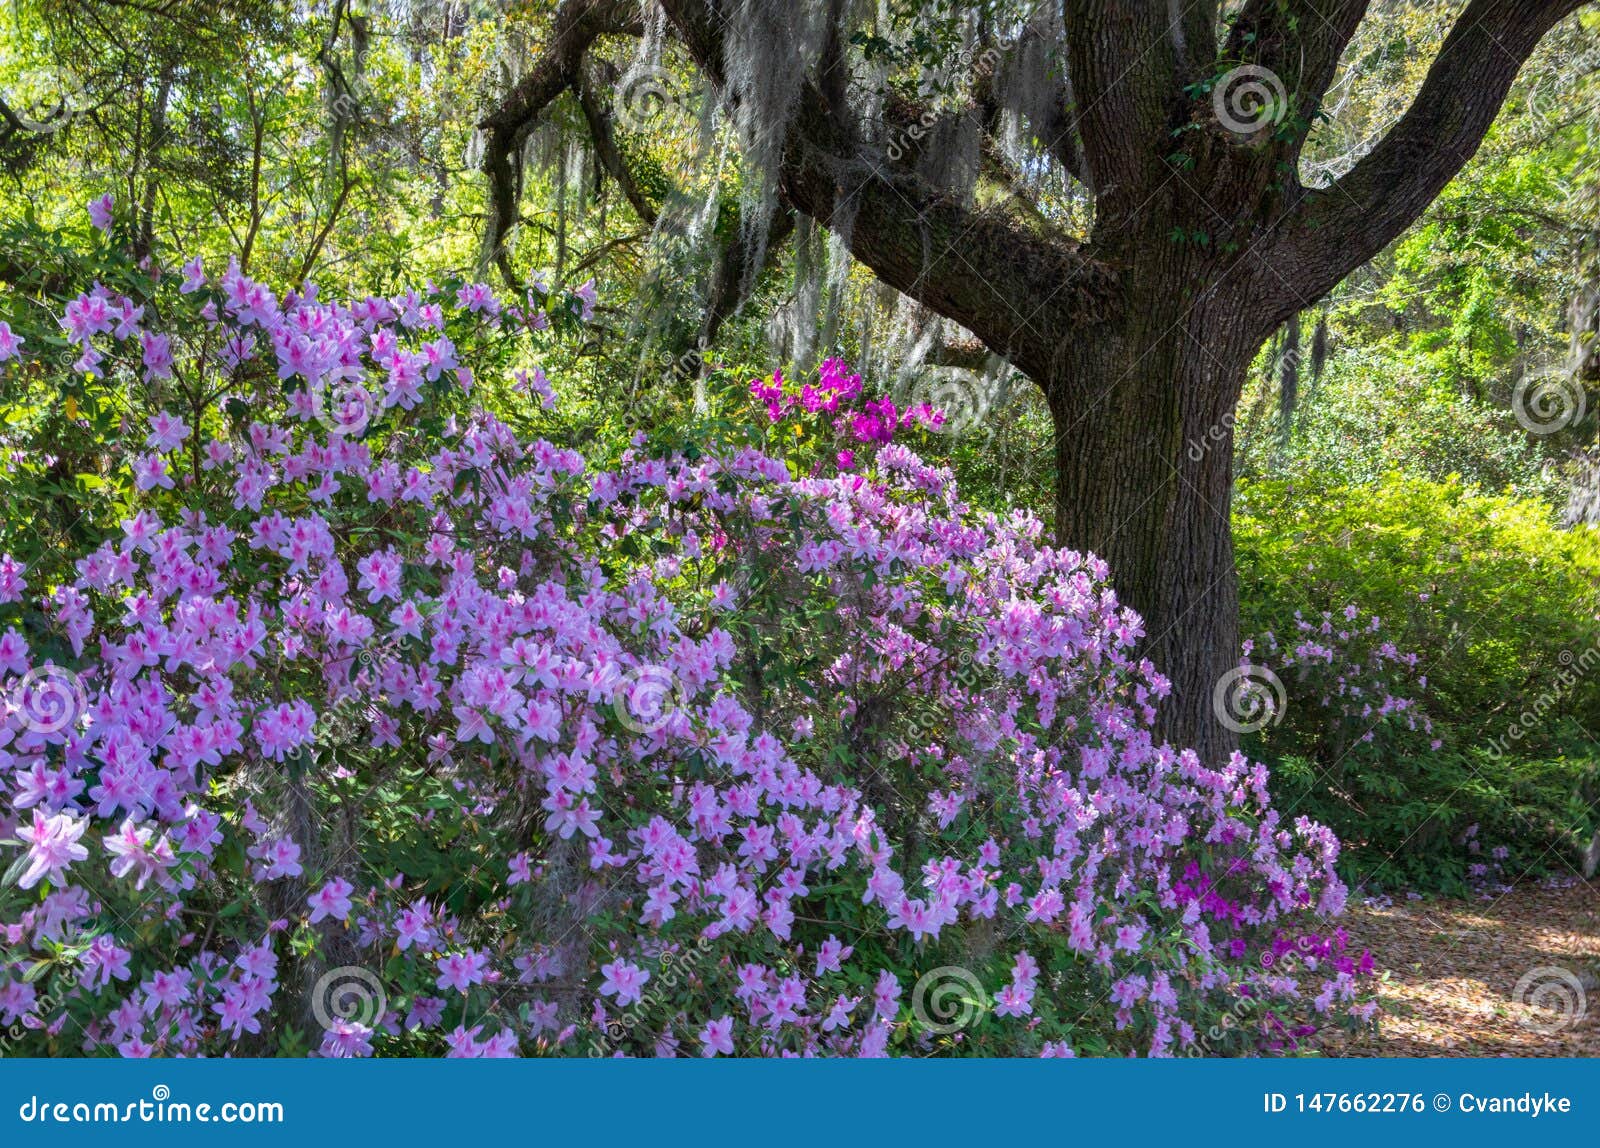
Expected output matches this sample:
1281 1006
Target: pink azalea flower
624 981
717 1037
460 971
10 344
52 846
100 212
332 900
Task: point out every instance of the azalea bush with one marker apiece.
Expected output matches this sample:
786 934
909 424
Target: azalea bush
1436 650
351 717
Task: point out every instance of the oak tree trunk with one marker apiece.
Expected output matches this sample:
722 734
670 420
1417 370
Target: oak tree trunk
1143 414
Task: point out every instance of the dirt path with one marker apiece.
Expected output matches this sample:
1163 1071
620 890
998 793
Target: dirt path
1455 968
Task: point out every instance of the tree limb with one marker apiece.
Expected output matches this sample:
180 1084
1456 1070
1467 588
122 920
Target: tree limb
1331 231
1123 62
1016 290
578 24
1300 42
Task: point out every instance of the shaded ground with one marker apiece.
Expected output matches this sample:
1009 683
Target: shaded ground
1455 967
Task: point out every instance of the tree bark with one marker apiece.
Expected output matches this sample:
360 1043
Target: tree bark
1143 412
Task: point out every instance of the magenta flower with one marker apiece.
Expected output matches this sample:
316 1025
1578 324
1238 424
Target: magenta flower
414 927
1013 1000
282 857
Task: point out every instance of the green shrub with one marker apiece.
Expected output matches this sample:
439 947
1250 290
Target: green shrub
1503 612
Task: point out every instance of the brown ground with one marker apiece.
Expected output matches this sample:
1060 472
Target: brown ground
1454 965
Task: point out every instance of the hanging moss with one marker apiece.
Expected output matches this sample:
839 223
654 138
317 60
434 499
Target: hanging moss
769 49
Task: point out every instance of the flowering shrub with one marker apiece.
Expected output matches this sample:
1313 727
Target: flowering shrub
1351 686
1464 706
359 734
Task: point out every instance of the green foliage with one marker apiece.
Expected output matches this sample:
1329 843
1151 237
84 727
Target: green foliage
1374 414
1503 611
1474 282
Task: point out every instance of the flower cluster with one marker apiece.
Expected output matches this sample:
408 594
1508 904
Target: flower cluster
1346 668
510 734
837 400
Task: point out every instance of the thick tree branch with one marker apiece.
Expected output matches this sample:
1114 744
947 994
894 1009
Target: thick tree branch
1298 41
564 67
1000 169
1058 132
1332 231
1123 61
578 24
1021 293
